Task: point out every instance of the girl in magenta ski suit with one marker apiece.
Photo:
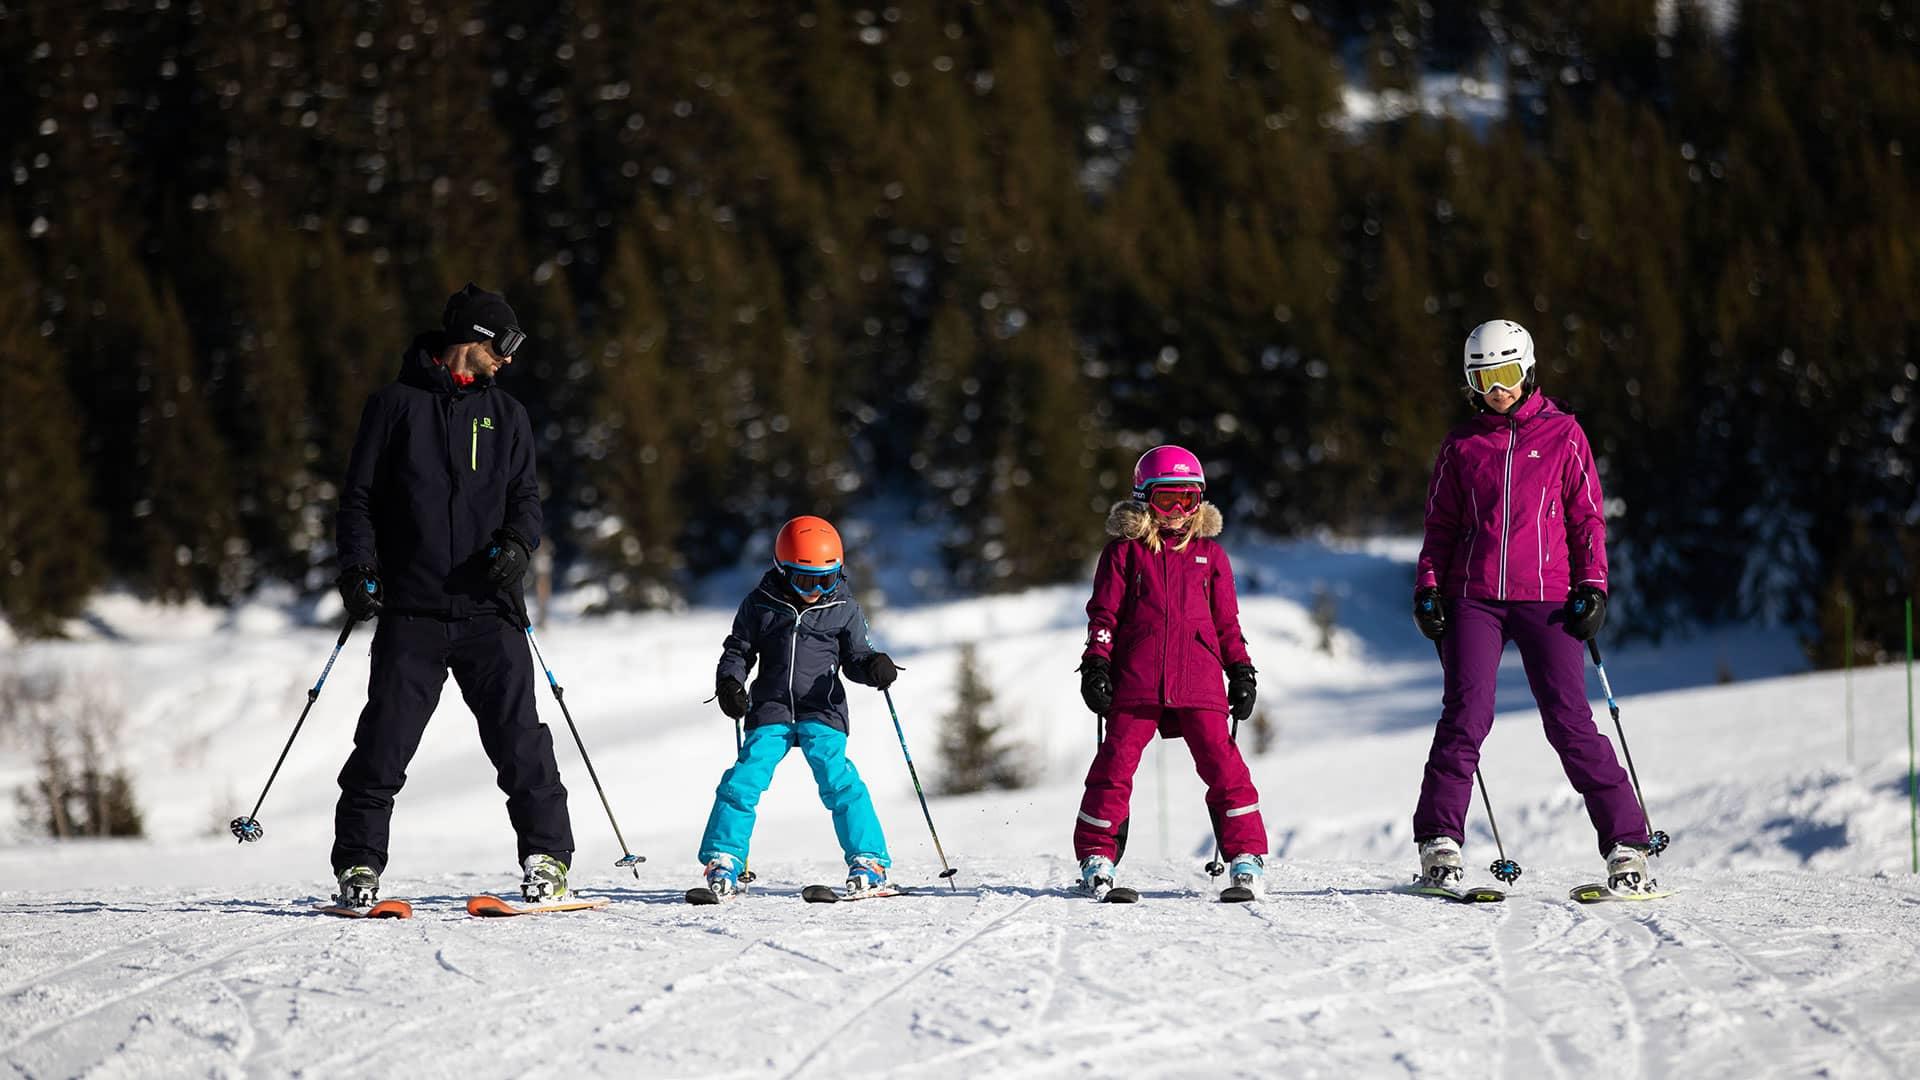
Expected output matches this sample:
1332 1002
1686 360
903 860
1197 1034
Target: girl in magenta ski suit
1515 550
1162 627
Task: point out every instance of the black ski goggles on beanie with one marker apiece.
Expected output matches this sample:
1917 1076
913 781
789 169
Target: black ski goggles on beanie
474 314
507 342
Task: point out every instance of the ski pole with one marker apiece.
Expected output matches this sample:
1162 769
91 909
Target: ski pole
1503 868
628 858
248 828
1657 840
739 750
949 871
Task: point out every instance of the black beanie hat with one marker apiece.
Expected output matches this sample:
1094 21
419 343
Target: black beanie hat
474 314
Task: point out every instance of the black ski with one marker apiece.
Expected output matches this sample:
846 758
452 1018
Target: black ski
1236 894
1120 894
827 894
701 897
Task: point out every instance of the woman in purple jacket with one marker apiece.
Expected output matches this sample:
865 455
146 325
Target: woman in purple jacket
1162 626
1516 550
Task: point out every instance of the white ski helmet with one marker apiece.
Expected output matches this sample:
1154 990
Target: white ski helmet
1499 352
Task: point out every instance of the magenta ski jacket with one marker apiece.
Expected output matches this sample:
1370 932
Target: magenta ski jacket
1514 510
1168 621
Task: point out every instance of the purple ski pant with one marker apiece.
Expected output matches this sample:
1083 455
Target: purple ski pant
1231 798
1556 664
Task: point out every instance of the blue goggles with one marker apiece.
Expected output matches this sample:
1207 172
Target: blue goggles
812 581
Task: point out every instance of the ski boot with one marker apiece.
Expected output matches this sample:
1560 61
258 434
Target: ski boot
1096 876
865 874
723 877
1249 873
359 888
1440 863
545 880
1627 870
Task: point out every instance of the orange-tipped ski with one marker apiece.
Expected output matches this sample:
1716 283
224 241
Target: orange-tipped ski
492 907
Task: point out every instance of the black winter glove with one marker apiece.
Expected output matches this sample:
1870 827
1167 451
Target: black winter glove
881 670
506 558
360 591
1241 690
733 696
1096 686
1430 613
1586 611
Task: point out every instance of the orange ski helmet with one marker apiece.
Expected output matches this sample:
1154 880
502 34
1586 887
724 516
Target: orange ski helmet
808 543
808 552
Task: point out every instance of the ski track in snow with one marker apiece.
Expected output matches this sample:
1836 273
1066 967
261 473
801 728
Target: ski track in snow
1331 974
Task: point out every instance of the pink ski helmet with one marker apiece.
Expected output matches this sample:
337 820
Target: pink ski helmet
1166 465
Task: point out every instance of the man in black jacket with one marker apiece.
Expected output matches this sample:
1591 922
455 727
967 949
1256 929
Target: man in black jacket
439 516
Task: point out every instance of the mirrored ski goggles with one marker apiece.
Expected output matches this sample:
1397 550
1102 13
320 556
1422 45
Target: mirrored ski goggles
507 342
811 581
1168 499
1509 375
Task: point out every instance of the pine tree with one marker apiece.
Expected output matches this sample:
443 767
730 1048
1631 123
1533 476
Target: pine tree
49 533
972 753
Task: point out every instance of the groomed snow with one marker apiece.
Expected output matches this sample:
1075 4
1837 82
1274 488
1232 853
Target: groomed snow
1787 951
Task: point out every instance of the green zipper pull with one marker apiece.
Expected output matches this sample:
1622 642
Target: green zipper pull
474 463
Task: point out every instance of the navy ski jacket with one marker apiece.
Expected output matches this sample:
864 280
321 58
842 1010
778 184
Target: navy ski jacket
802 649
436 469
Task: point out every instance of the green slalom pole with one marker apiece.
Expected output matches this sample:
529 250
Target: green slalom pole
1913 777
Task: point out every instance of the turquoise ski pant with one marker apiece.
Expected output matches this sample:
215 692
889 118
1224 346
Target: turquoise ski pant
730 826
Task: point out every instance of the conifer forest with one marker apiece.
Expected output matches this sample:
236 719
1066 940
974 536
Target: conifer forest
966 259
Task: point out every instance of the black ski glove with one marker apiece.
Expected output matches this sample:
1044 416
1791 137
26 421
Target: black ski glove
733 696
506 558
360 591
1241 690
1096 686
1430 613
1586 611
881 670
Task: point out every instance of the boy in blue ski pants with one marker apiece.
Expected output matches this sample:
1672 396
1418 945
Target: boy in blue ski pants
804 631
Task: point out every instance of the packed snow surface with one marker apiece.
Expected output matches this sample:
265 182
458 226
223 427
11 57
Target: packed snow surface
1786 951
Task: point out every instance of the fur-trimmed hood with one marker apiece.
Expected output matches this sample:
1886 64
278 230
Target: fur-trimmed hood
1128 520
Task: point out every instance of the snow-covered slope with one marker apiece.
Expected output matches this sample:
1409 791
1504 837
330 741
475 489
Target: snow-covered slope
1787 950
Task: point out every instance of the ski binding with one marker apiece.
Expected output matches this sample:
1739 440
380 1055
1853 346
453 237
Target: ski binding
385 909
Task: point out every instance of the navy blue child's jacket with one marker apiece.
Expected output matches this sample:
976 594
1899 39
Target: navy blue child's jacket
801 649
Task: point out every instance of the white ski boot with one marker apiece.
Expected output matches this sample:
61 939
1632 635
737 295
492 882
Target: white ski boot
1248 872
866 874
1627 870
1096 876
359 888
1440 863
723 877
545 881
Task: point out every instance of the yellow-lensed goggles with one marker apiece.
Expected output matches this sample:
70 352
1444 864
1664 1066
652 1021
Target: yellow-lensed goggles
1509 375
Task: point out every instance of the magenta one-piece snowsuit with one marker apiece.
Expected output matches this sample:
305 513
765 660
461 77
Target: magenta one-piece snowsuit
1514 521
1169 623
